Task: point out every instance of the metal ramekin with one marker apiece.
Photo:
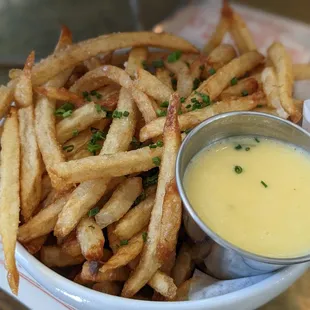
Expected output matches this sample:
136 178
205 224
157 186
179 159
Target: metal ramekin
227 125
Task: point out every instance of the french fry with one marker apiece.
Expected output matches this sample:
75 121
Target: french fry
184 77
271 90
71 246
35 245
107 96
9 196
53 256
282 63
114 241
183 290
62 60
90 238
135 219
6 98
163 284
108 287
79 154
23 89
120 202
236 68
43 222
193 118
92 63
149 262
164 76
221 55
244 87
80 119
184 265
170 225
46 186
199 251
152 86
126 253
15 73
88 193
137 56
111 165
301 72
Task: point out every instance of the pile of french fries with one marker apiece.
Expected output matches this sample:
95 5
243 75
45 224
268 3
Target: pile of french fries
88 150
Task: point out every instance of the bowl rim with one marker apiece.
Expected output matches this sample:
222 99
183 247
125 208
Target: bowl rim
194 215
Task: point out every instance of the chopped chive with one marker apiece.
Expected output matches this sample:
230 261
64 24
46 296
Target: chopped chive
257 140
152 146
161 113
238 147
98 108
156 161
93 93
67 113
160 143
244 93
259 106
68 148
182 99
174 56
65 110
93 148
205 98
180 112
85 94
75 132
174 83
188 106
212 71
98 96
201 67
234 81
264 184
164 104
187 131
247 148
140 198
135 143
117 114
150 177
144 236
125 113
196 83
123 242
93 211
144 64
238 169
158 63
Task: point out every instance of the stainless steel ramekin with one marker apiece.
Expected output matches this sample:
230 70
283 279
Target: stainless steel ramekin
224 126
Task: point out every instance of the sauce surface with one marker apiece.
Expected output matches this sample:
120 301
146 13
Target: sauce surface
254 193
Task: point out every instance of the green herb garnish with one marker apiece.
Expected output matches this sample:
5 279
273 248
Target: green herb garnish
257 140
264 184
174 56
247 148
150 177
164 104
123 242
117 114
65 110
144 64
234 81
135 143
238 147
244 93
144 236
93 212
238 169
98 108
201 67
75 133
205 98
182 99
174 83
196 83
187 131
156 161
140 198
125 113
212 71
158 63
160 143
161 113
68 148
188 106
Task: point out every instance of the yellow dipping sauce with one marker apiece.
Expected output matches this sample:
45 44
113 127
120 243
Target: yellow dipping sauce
254 193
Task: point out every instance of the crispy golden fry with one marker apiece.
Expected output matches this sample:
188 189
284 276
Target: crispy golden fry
220 31
163 284
164 76
56 63
92 63
79 154
301 72
108 287
52 196
46 186
9 196
271 90
35 245
88 193
109 96
104 75
112 165
152 86
61 94
244 87
80 119
114 241
184 77
43 222
282 63
135 219
53 256
90 238
183 290
193 118
184 265
6 98
137 56
90 272
71 246
200 251
170 224
126 253
221 55
30 164
45 118
120 202
15 73
222 78
23 89
149 262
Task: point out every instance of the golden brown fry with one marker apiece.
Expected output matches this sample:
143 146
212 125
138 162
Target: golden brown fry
60 61
170 224
271 90
15 73
46 186
244 87
301 71
108 287
43 222
9 196
91 239
152 86
236 68
31 163
107 96
193 118
53 256
183 290
282 63
164 76
126 253
135 219
35 245
61 94
80 119
114 241
221 55
88 193
71 246
23 89
163 284
6 98
184 265
184 77
92 63
137 56
112 165
120 202
149 262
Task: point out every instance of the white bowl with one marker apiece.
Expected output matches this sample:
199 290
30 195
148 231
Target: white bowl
84 298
